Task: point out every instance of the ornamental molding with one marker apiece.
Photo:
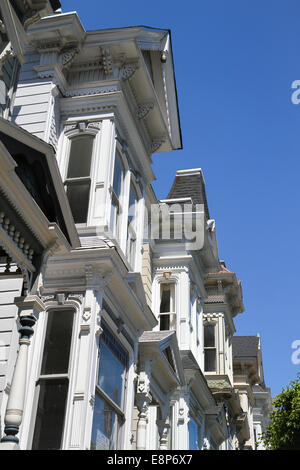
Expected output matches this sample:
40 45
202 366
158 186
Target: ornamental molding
82 126
212 317
16 236
91 91
128 70
143 110
156 144
5 55
88 109
62 298
107 60
67 57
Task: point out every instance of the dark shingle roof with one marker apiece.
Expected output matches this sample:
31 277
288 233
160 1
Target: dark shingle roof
245 346
190 183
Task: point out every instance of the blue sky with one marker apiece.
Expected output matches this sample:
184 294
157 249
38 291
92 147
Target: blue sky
235 61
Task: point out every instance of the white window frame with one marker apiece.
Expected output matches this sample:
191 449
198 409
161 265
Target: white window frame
134 225
67 375
215 347
65 150
172 314
120 411
118 202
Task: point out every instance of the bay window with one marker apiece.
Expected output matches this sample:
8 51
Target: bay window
78 180
110 390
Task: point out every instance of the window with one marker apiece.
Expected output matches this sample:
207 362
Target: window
194 433
210 355
53 383
132 226
109 399
116 207
167 306
78 181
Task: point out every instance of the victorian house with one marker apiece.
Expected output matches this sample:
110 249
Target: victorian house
116 314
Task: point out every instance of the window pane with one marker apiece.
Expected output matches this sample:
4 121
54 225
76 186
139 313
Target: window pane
78 194
57 342
167 297
50 414
118 176
209 336
165 303
111 375
80 156
105 427
164 322
210 360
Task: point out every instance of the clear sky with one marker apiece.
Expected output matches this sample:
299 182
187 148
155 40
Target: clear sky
235 61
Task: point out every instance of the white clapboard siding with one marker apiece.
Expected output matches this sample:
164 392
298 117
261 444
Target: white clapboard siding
10 288
31 104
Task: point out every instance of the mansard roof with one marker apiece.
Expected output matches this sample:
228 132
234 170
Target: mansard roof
245 346
190 184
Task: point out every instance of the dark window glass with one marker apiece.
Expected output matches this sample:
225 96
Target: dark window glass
105 427
209 336
80 156
53 390
165 303
164 322
78 195
57 342
50 414
210 360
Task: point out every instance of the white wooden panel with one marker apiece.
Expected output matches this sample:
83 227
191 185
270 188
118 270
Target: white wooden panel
39 127
6 324
31 100
35 118
4 351
33 89
8 311
8 297
2 382
3 368
11 284
5 338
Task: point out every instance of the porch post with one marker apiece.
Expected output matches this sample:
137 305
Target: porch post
29 309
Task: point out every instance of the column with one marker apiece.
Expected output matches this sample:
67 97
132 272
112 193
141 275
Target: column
143 400
29 309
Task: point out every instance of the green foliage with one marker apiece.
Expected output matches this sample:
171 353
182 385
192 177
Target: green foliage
283 432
